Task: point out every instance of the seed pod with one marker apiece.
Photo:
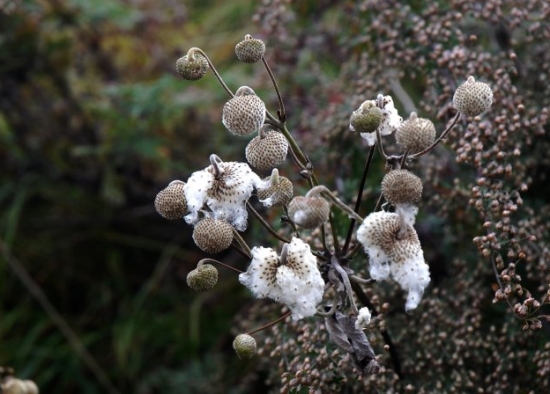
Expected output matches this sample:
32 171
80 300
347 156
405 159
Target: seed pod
473 98
267 151
245 346
250 50
366 118
401 187
203 278
170 202
192 66
245 113
278 192
415 134
212 235
308 212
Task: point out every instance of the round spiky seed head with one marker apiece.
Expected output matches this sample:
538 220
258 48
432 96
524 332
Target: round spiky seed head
276 194
473 98
250 50
170 202
245 346
212 235
245 113
366 118
192 67
401 187
267 151
415 134
308 212
203 278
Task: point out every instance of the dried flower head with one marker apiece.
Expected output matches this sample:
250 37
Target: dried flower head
401 187
308 212
292 279
203 278
473 98
366 118
250 50
192 66
390 117
245 346
244 114
415 134
212 235
275 190
221 191
170 202
268 150
363 318
394 249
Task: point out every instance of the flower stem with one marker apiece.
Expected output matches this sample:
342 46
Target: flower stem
441 137
270 324
281 111
211 260
264 223
218 76
241 242
321 189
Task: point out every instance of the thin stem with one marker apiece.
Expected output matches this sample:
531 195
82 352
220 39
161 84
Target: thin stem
361 281
58 320
441 137
359 198
211 260
241 242
332 308
264 223
281 112
404 159
320 189
287 314
379 143
218 76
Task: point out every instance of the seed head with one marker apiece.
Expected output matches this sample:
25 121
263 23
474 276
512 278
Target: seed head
401 187
268 150
278 190
203 278
245 113
473 98
366 118
250 50
245 346
170 202
192 66
308 212
415 134
212 235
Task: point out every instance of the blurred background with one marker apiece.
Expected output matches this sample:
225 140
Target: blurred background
94 121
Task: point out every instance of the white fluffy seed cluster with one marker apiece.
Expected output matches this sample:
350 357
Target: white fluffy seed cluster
415 134
308 212
244 114
222 198
170 202
473 98
212 235
192 67
250 50
292 279
267 151
401 187
275 195
203 278
245 346
11 385
400 257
